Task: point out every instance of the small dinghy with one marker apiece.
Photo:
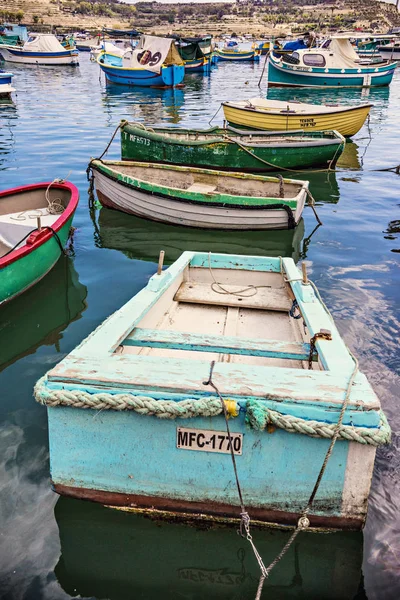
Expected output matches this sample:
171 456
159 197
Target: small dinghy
35 222
138 412
199 197
231 149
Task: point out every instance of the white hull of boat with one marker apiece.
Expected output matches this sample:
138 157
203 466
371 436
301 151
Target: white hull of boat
15 57
390 54
157 208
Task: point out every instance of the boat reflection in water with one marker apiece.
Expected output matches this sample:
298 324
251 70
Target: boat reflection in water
107 553
141 239
350 157
40 315
145 104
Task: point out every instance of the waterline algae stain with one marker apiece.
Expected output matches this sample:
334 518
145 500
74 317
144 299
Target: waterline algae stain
350 258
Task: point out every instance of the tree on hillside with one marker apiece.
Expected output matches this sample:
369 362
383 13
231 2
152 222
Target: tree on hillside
19 15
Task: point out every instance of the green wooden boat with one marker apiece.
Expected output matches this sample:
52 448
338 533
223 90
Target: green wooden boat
230 148
35 222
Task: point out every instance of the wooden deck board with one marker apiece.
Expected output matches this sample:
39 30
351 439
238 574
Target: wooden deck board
264 299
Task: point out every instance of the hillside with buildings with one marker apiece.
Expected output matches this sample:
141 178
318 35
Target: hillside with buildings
258 17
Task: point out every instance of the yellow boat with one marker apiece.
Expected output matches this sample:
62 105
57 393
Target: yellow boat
276 115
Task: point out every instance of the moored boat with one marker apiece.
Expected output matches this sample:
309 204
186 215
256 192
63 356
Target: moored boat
6 88
195 53
160 438
230 148
35 222
333 64
234 54
390 51
277 115
199 197
40 49
155 62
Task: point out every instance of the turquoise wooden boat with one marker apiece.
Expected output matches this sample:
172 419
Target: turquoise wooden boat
231 149
35 223
100 558
334 64
133 420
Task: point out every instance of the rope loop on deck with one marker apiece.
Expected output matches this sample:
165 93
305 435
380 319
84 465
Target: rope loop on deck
260 417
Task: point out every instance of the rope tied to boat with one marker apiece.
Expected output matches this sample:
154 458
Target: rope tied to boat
262 418
244 527
258 415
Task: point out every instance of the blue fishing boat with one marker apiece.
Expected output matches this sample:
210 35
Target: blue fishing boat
154 62
6 88
333 64
138 412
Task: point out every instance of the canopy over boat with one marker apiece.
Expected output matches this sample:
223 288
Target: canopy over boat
153 52
42 42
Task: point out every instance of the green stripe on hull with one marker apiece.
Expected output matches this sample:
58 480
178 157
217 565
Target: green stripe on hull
219 153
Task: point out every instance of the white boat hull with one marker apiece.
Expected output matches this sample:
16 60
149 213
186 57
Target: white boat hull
16 55
157 208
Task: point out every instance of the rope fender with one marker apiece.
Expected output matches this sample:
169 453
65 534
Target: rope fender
258 416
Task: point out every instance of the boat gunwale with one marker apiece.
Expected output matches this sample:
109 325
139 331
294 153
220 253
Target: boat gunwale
271 112
306 139
68 213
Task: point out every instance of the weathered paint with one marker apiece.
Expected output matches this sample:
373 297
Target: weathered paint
99 454
216 148
155 338
134 454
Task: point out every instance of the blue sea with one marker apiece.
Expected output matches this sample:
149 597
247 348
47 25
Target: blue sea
57 548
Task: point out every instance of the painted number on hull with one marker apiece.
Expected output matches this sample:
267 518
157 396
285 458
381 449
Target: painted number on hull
307 123
206 440
139 140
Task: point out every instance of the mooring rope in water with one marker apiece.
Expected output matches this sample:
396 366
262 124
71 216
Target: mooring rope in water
244 528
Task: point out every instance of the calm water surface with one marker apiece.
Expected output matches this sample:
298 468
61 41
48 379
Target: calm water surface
59 548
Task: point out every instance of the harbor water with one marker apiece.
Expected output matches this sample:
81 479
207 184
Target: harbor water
58 548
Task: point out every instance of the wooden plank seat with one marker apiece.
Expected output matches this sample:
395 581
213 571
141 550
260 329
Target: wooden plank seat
202 293
179 340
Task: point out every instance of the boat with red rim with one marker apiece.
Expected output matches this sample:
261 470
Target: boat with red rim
35 223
